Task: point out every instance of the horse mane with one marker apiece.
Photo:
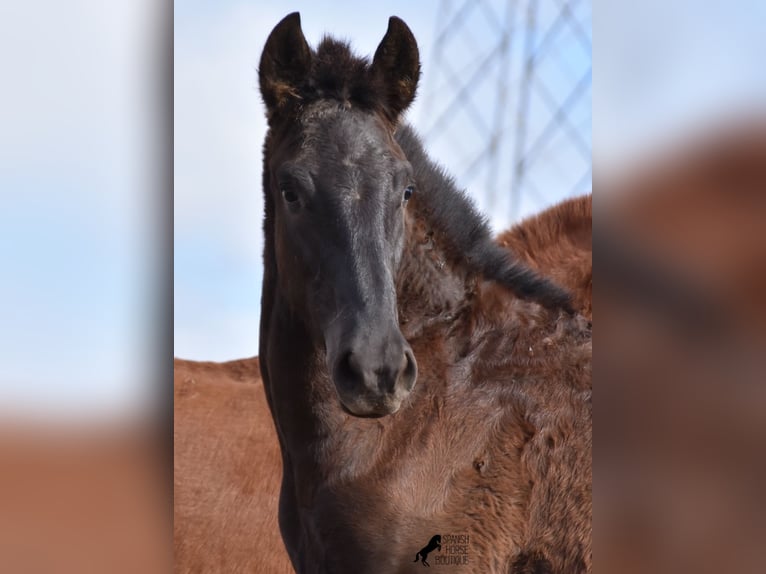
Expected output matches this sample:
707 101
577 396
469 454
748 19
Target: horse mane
465 232
338 74
557 243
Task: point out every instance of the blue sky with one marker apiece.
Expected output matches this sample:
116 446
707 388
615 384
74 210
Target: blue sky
75 239
81 237
666 70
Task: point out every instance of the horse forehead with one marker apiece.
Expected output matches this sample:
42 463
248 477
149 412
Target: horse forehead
346 136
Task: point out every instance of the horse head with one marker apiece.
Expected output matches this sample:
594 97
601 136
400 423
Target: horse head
338 186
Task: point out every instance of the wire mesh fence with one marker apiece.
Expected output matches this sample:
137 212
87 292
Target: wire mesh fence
508 100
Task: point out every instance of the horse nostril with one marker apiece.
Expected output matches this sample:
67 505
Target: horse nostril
361 371
410 370
348 370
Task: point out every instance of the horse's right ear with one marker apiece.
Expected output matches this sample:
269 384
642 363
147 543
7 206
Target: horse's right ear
285 63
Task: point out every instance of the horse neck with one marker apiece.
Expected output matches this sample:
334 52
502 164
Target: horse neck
305 408
317 437
432 286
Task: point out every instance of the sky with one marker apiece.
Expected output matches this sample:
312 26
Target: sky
84 256
666 71
76 256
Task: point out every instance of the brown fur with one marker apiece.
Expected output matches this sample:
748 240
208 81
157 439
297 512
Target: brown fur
85 497
684 274
210 532
698 214
226 471
557 243
495 440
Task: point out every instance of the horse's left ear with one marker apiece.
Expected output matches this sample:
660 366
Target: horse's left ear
397 66
285 63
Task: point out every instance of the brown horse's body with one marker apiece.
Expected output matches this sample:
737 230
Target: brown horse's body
699 219
558 244
222 422
227 471
684 276
495 442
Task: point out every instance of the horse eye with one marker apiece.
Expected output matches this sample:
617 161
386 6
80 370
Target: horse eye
290 196
408 191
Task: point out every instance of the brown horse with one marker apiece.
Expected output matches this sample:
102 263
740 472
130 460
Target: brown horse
226 471
421 380
215 529
557 243
683 271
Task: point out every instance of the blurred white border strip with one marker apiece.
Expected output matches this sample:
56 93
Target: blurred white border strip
82 184
666 71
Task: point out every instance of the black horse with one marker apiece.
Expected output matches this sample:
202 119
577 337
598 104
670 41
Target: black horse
394 330
434 544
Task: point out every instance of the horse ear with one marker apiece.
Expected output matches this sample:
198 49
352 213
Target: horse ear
285 63
397 66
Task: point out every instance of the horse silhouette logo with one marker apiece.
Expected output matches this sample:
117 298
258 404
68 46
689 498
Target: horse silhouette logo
434 544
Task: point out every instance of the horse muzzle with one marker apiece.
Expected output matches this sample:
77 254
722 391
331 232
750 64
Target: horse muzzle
372 372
